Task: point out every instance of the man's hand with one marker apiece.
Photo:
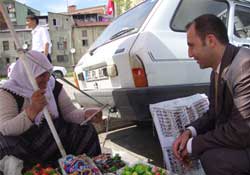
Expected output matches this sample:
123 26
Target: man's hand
98 116
38 102
180 146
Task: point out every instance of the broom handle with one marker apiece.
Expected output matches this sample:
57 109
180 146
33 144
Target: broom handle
32 80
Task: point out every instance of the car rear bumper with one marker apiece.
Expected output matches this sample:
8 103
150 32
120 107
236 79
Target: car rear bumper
133 103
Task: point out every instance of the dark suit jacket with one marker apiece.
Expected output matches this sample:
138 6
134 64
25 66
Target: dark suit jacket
229 126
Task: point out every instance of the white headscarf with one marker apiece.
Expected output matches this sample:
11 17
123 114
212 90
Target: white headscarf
20 84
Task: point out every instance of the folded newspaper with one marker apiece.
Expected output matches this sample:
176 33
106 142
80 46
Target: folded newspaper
170 118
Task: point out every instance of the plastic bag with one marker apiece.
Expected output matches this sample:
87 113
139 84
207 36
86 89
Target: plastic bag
11 165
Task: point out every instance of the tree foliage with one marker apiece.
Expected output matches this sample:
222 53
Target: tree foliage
122 6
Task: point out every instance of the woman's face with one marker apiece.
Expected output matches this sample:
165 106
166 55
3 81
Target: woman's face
42 80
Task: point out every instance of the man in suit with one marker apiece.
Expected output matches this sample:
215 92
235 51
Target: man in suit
220 138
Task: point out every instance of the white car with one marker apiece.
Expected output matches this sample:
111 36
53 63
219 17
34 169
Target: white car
58 71
141 58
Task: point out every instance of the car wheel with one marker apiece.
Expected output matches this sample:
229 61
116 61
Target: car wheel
58 74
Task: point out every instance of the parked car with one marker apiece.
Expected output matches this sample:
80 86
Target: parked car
141 58
58 71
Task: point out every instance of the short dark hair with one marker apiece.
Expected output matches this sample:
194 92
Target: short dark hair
33 17
210 24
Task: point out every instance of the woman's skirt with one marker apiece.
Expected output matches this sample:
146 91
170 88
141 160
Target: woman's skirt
38 145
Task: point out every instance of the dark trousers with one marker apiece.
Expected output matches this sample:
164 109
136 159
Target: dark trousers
223 161
49 58
37 145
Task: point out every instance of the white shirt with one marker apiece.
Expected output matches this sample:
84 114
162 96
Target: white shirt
191 128
40 36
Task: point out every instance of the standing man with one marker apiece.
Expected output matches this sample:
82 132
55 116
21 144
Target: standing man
221 138
40 36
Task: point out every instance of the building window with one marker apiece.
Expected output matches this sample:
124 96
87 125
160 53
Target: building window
54 22
8 60
62 58
6 45
60 46
65 44
85 43
84 33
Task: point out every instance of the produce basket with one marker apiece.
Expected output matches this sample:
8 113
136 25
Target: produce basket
78 165
109 164
142 168
38 169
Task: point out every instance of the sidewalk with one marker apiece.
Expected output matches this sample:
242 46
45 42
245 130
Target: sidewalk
134 144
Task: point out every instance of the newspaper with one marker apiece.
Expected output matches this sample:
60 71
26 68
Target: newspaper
170 118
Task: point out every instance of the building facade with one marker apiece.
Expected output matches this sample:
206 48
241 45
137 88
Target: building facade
17 13
73 32
84 35
8 49
60 29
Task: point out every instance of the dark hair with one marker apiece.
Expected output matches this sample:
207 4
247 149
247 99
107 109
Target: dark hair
33 17
210 24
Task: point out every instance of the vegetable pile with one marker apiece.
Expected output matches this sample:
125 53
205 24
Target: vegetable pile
108 164
39 170
142 169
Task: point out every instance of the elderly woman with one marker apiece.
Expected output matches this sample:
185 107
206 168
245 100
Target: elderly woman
24 132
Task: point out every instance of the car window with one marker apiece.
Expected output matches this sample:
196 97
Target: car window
133 18
190 9
242 22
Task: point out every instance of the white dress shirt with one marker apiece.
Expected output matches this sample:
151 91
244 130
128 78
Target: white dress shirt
40 36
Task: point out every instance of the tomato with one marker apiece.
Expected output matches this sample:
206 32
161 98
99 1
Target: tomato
48 169
38 165
44 174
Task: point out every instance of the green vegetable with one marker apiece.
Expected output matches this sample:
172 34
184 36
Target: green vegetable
28 173
113 168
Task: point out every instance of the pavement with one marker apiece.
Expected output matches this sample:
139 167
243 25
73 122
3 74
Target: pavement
135 142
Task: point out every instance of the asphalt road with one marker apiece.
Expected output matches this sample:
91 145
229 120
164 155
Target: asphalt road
134 143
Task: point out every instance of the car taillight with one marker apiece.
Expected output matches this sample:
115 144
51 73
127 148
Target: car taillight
140 78
75 79
138 72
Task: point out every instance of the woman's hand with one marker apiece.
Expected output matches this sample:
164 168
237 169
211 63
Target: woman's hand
38 102
89 112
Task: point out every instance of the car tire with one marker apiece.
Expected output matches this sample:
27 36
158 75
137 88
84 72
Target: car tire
58 74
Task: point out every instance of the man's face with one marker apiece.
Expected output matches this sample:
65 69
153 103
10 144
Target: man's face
197 49
30 23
